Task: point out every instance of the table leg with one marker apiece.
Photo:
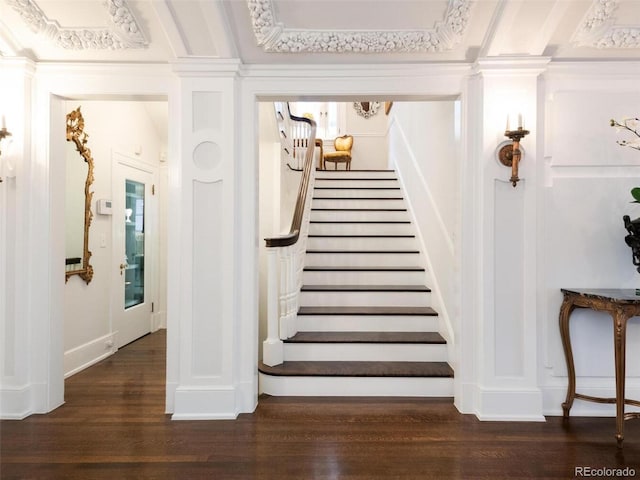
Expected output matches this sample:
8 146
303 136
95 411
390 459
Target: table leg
620 334
565 312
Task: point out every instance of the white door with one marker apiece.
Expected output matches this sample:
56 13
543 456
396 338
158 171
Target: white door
134 228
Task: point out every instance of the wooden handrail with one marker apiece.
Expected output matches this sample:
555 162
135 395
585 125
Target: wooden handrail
296 222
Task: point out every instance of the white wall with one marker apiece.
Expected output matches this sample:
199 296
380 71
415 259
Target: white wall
572 196
370 142
369 150
424 146
587 179
125 127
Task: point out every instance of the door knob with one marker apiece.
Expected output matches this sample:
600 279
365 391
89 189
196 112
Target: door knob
122 267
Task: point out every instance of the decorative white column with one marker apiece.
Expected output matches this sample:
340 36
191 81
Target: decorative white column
204 288
504 222
26 339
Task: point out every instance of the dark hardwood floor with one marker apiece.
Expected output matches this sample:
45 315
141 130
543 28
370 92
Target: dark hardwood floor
113 426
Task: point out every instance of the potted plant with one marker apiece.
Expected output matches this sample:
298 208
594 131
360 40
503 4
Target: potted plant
632 226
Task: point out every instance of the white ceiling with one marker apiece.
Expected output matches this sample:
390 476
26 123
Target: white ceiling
318 31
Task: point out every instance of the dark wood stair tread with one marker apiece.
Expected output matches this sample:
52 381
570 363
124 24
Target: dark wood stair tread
368 337
386 252
358 209
349 268
360 236
366 310
365 288
359 369
356 188
357 198
347 172
361 221
393 179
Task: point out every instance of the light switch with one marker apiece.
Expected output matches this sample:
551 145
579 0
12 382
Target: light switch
103 240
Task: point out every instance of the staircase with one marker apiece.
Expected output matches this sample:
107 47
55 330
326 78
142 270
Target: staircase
365 327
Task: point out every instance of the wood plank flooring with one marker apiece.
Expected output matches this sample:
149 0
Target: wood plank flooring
113 426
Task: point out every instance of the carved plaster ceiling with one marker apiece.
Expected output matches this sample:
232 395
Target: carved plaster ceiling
319 31
123 30
599 28
273 36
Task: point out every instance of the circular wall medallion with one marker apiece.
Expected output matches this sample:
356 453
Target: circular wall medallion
206 155
504 153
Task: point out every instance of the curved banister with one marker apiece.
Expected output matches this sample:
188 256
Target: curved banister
296 222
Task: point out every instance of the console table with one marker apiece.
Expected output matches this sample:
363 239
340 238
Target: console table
622 304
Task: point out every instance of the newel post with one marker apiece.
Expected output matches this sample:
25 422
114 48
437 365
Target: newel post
272 347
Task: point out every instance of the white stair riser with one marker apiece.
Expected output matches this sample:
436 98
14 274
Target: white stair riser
363 352
356 193
362 243
367 323
358 182
356 386
356 203
363 278
361 229
354 174
358 215
362 259
357 299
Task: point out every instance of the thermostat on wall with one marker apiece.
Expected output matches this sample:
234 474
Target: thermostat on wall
104 206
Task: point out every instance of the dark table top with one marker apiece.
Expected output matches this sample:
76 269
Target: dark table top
622 295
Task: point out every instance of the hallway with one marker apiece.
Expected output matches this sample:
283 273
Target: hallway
113 426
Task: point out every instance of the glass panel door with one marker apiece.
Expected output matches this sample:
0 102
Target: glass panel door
134 235
134 244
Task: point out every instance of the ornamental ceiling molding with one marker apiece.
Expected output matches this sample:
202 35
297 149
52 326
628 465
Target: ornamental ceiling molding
273 36
125 32
598 28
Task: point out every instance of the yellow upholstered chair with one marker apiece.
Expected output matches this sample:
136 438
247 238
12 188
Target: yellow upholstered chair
342 154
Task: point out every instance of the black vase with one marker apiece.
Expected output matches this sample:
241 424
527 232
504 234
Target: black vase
633 239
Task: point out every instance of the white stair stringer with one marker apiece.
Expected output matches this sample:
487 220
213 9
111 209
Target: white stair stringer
365 327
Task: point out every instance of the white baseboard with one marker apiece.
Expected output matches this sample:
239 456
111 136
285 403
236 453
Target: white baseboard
158 321
79 358
170 397
554 397
17 403
247 396
205 403
464 396
517 405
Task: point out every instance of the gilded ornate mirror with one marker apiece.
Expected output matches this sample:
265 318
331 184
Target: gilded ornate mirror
78 199
366 109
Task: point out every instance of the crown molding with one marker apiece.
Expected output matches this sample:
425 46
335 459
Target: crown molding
597 29
124 32
273 36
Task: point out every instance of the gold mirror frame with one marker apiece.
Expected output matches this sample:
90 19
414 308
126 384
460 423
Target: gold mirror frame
366 109
77 135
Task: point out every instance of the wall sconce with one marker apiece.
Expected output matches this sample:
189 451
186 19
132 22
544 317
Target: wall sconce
4 133
510 154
